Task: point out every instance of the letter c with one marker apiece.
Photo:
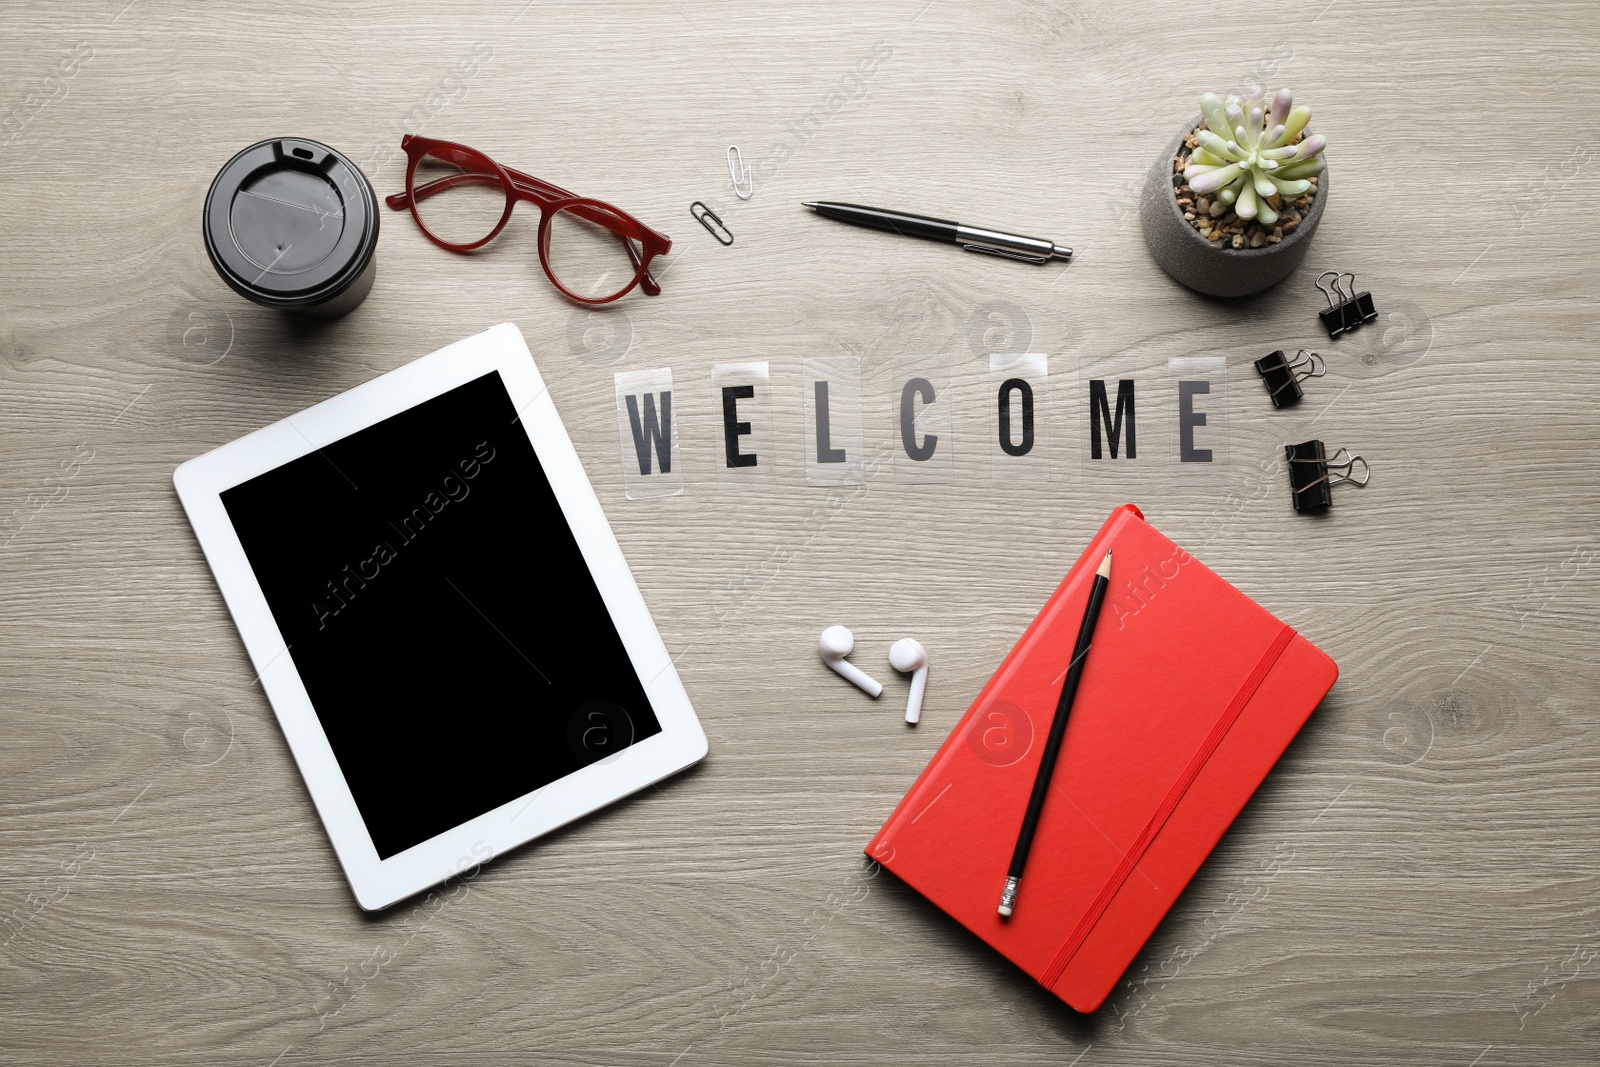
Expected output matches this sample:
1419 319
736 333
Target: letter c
916 387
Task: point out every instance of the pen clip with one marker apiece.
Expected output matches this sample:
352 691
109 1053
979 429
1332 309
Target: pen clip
986 249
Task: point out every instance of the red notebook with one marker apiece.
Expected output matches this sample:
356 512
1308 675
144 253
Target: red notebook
1190 693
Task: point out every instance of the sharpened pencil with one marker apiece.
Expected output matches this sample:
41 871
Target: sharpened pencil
1058 730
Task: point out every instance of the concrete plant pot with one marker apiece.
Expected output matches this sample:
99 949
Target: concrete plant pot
1206 267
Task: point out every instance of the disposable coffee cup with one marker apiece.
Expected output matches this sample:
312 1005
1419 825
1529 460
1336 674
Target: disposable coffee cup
292 224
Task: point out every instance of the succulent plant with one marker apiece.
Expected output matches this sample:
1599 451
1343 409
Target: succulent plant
1247 154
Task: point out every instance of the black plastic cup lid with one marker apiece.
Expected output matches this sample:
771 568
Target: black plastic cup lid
290 222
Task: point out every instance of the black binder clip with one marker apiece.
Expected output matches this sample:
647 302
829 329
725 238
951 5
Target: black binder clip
1283 375
1312 475
1346 311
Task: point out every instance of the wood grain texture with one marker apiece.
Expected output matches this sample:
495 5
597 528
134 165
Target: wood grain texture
1419 880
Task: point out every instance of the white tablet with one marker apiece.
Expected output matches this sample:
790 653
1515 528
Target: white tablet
440 615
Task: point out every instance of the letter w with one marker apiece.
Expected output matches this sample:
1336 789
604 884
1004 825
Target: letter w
658 431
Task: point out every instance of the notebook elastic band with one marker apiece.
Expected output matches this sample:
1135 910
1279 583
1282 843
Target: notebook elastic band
1169 804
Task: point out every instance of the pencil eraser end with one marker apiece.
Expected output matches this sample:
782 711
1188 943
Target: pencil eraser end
1008 895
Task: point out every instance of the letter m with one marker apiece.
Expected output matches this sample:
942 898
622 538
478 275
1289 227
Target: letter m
1100 413
652 430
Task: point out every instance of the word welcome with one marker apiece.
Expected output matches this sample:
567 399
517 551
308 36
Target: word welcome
452 489
834 444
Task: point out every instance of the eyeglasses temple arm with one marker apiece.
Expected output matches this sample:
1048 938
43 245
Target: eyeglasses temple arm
647 283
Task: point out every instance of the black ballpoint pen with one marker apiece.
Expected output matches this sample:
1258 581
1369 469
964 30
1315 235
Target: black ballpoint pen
972 238
1052 745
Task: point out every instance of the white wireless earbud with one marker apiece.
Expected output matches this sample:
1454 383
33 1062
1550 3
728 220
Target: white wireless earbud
908 655
837 642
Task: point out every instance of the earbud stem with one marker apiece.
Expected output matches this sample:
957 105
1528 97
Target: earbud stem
919 685
857 677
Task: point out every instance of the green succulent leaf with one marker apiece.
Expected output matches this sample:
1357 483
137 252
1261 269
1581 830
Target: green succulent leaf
1282 101
1211 107
1293 125
1303 168
1217 146
1211 180
1245 207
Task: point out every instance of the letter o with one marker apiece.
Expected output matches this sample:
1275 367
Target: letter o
1007 446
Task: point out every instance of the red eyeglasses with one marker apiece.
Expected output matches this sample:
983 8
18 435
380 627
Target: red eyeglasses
462 199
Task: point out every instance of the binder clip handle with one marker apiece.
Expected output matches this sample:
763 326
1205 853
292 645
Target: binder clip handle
1346 311
1282 375
1333 316
1365 311
1312 474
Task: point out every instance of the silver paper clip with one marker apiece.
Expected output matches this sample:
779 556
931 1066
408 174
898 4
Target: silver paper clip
714 225
744 182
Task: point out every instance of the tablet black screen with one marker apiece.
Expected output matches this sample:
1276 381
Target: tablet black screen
438 610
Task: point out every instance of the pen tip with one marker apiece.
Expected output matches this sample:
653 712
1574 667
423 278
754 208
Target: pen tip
1105 567
812 204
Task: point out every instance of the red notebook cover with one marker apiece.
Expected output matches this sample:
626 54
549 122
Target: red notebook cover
1190 693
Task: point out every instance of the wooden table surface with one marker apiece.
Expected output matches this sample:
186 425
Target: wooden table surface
1417 882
